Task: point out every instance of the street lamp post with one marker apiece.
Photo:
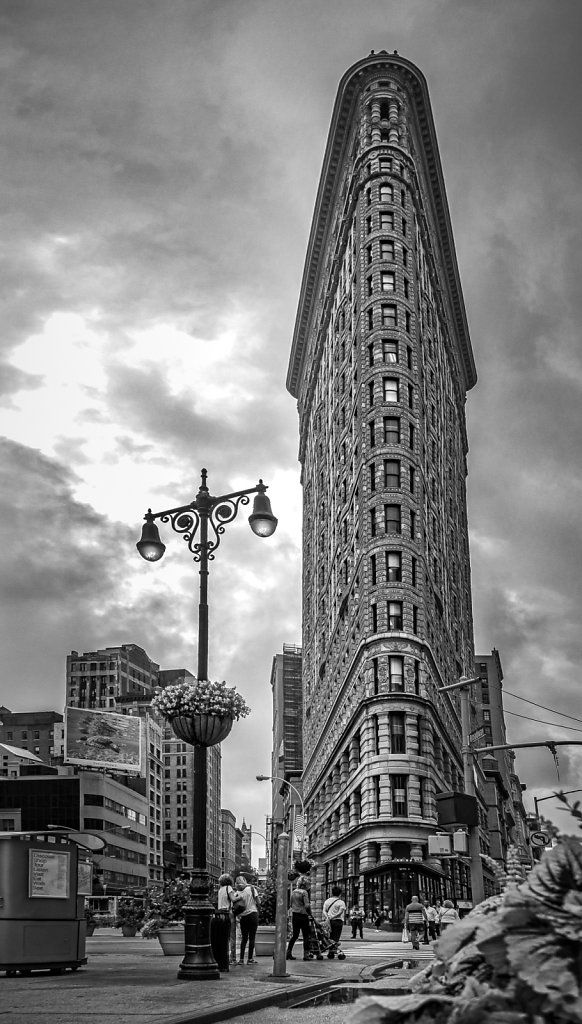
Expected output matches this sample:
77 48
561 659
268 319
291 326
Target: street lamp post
278 778
538 799
203 514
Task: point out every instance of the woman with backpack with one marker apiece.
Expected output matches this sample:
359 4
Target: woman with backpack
300 914
246 908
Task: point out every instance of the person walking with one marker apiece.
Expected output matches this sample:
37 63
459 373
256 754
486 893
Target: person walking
226 894
432 917
448 915
357 921
300 915
246 896
334 913
414 918
439 909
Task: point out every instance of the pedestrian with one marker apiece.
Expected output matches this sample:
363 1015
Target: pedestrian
414 918
246 896
334 913
432 916
300 915
378 919
357 921
448 915
226 895
439 909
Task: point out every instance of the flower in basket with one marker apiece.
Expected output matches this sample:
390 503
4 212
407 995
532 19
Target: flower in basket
200 697
165 906
129 913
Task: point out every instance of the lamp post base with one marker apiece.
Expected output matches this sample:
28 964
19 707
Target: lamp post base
198 963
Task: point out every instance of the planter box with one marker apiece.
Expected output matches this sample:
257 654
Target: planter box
265 940
172 941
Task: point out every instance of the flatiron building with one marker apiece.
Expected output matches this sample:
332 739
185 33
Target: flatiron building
380 366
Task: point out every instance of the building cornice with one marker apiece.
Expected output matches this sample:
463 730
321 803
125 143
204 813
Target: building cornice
338 136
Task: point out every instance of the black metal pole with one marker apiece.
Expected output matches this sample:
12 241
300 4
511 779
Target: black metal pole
199 962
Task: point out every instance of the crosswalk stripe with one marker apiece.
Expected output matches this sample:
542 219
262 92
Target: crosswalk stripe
386 951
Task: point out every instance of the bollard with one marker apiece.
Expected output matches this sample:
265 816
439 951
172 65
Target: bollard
279 963
219 936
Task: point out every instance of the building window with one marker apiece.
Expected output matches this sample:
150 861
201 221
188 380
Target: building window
414 619
411 479
371 393
373 569
391 430
397 733
413 564
391 389
386 193
389 350
374 608
392 519
389 316
371 354
394 615
387 251
372 430
369 254
370 285
385 164
391 473
372 522
370 319
386 220
393 566
399 795
406 288
375 734
423 798
411 436
395 673
388 281
404 226
368 225
372 476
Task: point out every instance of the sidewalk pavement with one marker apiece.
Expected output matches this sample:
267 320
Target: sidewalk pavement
132 982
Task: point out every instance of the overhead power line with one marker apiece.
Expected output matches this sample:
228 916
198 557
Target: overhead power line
543 706
542 721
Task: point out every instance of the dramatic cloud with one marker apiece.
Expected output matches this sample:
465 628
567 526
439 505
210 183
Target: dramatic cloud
160 163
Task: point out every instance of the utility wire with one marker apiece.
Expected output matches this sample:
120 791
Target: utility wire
543 706
557 725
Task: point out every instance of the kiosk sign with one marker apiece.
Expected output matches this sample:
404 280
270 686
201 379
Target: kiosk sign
48 874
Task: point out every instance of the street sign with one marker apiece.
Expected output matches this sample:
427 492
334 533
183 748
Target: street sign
540 839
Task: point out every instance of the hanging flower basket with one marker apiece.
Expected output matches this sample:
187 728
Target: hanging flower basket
204 730
200 712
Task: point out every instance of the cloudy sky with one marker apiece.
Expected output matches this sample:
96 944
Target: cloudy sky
159 164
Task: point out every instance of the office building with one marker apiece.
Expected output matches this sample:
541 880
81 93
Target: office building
507 819
381 363
85 800
40 732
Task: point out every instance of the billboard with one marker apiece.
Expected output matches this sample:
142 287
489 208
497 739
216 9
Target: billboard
103 739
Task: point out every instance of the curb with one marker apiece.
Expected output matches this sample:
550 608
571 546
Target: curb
225 1011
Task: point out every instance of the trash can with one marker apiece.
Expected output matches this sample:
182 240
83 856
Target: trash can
219 936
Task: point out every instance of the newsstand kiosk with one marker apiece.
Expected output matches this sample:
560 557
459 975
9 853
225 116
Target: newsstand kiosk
42 918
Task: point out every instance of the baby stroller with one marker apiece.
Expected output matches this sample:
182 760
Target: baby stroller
320 942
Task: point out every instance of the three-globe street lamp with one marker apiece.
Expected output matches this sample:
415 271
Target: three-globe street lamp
193 521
